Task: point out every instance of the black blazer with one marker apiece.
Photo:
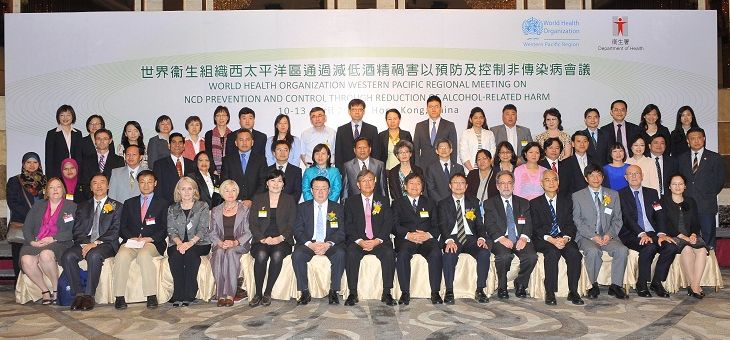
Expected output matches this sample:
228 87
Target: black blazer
167 178
90 166
285 214
88 149
56 151
16 203
661 131
355 219
592 147
447 219
671 168
254 180
82 191
344 143
706 184
542 221
678 142
259 143
629 213
495 217
608 137
472 184
671 213
304 223
109 223
408 220
384 139
132 225
570 175
293 179
394 183
205 196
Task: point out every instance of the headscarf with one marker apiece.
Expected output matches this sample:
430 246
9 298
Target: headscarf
70 183
32 182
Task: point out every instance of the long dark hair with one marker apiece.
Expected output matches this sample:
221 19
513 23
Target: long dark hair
288 138
509 147
646 111
474 111
140 139
319 148
678 124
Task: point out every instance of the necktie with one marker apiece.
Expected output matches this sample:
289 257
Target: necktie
695 164
131 179
95 226
659 172
281 168
319 231
597 202
446 169
555 167
554 230
178 166
363 166
619 135
244 163
102 163
460 231
639 211
511 227
368 219
415 205
357 131
433 133
145 205
595 141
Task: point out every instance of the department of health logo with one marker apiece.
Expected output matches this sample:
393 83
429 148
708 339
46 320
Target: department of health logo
532 26
620 26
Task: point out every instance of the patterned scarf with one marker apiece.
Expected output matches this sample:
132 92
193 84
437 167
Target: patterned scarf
219 146
32 182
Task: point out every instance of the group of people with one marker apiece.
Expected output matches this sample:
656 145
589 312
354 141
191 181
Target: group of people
389 194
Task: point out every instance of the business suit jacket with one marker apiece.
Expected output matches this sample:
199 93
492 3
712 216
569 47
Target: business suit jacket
495 217
523 134
631 228
353 167
424 151
285 214
213 199
255 178
109 223
120 187
133 225
157 148
88 149
34 219
706 184
447 219
198 218
593 147
608 137
259 143
90 166
662 131
167 178
345 142
241 230
584 213
437 184
18 204
671 212
394 183
304 223
57 151
409 220
355 219
670 168
472 184
570 175
542 221
293 179
678 140
384 139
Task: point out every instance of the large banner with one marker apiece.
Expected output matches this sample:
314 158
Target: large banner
137 66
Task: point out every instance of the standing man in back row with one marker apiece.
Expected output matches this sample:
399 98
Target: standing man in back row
348 133
430 131
516 135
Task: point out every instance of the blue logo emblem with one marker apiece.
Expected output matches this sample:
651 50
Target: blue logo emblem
532 26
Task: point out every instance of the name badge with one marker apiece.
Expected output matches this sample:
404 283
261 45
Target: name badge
608 211
263 213
70 197
334 225
190 225
424 214
68 218
521 220
524 143
657 206
151 221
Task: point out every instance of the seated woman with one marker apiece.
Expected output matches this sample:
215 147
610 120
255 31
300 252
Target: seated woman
648 168
188 221
230 236
616 170
506 158
70 175
481 182
48 232
684 227
527 176
206 180
397 175
271 226
322 158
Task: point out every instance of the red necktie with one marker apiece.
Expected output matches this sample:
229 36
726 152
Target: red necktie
178 166
555 167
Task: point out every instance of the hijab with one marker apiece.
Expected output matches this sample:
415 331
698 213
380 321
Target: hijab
32 182
70 183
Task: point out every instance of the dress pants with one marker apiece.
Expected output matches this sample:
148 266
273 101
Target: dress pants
94 260
226 265
274 256
184 270
384 252
303 254
431 251
144 257
592 253
666 251
480 254
708 227
573 260
503 260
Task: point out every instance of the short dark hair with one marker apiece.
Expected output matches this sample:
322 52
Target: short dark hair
315 109
191 119
509 107
589 110
364 173
279 142
433 98
242 130
274 173
360 139
65 108
485 152
99 174
580 133
529 146
444 140
617 146
319 179
221 108
617 101
657 135
457 174
356 102
591 168
246 111
318 148
550 141
411 176
146 173
139 149
103 130
175 134
161 119
197 157
696 129
394 111
101 119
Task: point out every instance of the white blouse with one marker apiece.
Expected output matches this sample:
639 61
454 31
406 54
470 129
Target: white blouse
470 143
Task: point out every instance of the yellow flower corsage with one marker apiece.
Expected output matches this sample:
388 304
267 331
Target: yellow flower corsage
331 216
107 208
376 207
606 200
470 215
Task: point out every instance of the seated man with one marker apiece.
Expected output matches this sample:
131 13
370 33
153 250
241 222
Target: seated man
554 236
368 224
642 213
438 174
416 233
319 230
462 231
96 237
509 225
597 217
143 232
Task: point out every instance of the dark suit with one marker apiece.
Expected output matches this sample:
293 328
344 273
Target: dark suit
293 179
304 225
109 224
382 224
678 141
662 131
395 187
542 224
472 185
205 195
57 151
410 219
671 212
669 168
255 177
592 146
571 176
704 186
384 139
608 138
261 228
88 148
496 223
631 229
167 177
90 166
259 143
447 224
345 143
153 225
424 151
437 182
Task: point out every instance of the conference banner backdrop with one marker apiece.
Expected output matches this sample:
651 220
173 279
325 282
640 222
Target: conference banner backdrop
139 65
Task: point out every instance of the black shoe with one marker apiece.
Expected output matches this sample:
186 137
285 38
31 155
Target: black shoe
436 298
120 303
305 298
502 293
352 299
388 299
657 288
334 299
575 299
449 297
405 298
255 300
480 296
520 291
88 302
152 301
593 292
618 292
266 300
185 303
76 304
691 293
550 299
641 290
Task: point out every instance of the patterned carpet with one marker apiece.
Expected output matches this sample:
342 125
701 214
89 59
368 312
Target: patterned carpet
679 317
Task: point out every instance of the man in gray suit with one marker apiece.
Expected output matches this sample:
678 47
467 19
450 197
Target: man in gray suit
431 130
515 134
597 216
438 174
363 161
123 183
